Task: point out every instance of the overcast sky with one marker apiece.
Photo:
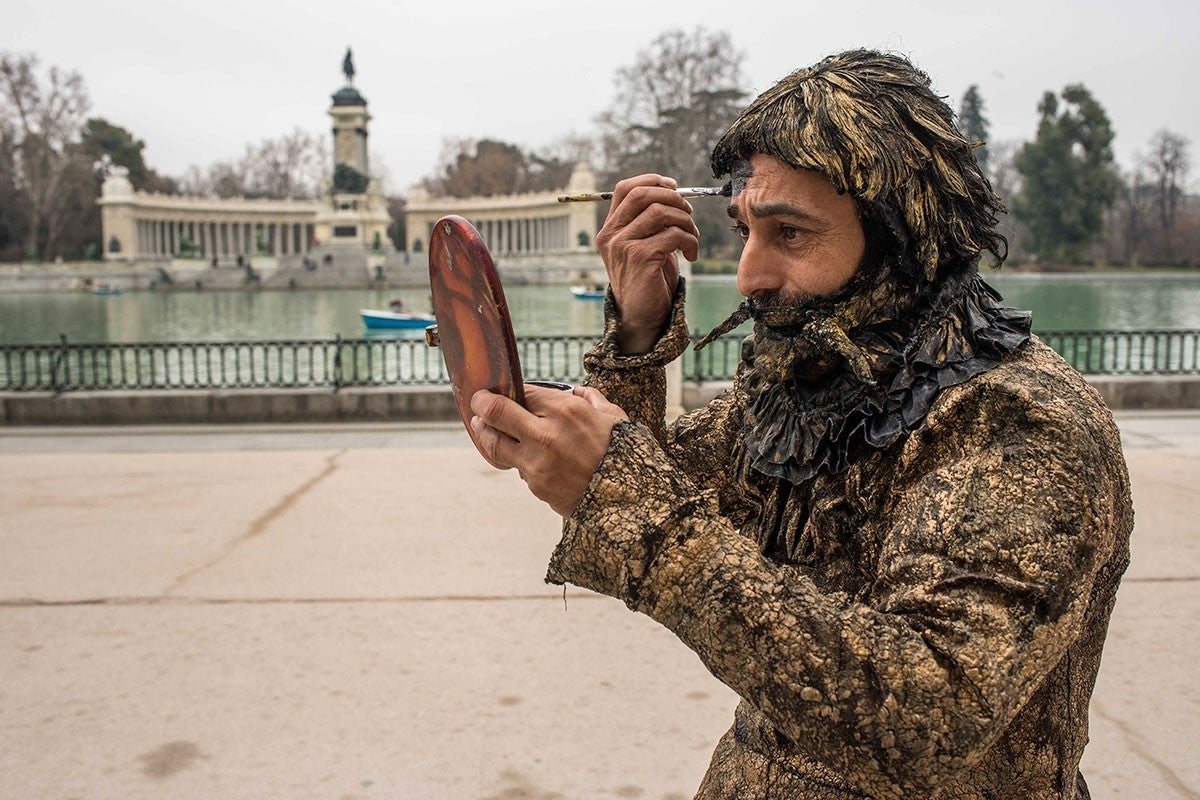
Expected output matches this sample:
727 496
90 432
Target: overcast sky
199 80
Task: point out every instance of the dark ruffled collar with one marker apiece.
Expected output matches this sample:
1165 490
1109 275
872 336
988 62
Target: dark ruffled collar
794 429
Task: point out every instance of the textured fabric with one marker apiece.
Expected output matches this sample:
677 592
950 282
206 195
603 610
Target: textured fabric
894 364
926 621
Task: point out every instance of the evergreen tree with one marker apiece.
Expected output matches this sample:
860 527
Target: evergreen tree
1068 176
973 124
100 138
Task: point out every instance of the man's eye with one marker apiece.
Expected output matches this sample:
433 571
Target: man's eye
741 230
789 233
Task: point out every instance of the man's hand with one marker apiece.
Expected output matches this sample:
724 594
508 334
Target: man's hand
556 445
646 225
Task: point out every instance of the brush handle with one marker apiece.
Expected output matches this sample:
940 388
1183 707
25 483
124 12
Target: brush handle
689 191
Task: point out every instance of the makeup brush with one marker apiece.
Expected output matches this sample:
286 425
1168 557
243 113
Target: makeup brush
688 191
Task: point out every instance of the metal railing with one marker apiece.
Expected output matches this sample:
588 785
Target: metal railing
282 364
336 363
1144 352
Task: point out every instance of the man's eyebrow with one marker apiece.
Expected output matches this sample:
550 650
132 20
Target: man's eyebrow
780 209
775 209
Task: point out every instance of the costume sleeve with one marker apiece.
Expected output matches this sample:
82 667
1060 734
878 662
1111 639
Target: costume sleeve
992 528
699 442
638 384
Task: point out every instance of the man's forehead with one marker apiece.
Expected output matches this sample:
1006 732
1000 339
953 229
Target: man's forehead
776 189
741 173
772 208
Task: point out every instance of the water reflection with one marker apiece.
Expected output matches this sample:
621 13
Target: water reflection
1057 302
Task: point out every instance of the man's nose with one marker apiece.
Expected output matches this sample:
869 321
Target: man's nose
759 271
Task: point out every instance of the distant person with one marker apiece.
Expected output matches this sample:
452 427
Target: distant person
899 535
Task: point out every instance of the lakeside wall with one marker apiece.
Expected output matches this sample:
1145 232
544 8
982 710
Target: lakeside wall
406 404
327 267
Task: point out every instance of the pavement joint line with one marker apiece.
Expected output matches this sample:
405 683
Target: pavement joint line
262 521
1163 579
35 431
155 600
1140 748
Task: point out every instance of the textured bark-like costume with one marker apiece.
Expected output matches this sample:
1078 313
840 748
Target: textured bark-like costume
899 535
924 622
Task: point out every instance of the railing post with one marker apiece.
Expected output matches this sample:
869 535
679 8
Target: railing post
59 361
337 364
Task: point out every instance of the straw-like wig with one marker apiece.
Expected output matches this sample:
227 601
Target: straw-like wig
870 122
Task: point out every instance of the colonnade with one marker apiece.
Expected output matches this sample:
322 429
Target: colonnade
526 235
525 226
221 239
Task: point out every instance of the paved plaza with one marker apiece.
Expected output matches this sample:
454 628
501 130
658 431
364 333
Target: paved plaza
358 612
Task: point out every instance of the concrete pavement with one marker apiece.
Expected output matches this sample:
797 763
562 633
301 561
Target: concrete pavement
358 612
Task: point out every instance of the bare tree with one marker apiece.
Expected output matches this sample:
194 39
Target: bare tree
1132 213
291 166
288 167
673 103
1001 168
1167 165
571 148
487 167
194 182
671 106
43 118
227 179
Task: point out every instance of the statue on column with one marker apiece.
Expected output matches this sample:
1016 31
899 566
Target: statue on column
348 67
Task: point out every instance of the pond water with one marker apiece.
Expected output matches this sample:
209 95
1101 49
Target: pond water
1058 302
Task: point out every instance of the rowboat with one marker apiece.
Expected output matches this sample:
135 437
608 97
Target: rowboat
375 319
587 293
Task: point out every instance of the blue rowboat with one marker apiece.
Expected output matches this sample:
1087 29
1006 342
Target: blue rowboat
585 293
395 319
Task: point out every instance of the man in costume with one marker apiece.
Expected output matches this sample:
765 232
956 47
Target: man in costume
899 535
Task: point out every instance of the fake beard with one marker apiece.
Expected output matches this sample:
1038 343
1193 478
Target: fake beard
807 338
864 366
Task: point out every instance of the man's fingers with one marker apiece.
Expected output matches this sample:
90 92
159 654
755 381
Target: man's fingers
499 427
498 448
624 187
598 401
501 413
648 209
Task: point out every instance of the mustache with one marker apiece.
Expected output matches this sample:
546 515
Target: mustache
775 309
